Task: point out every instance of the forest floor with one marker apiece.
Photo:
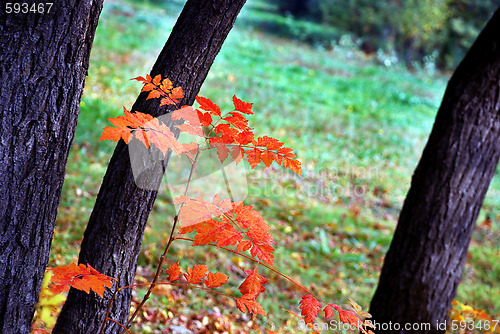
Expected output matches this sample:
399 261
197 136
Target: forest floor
358 123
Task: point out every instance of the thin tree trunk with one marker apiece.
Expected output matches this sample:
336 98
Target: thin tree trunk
114 234
43 63
422 269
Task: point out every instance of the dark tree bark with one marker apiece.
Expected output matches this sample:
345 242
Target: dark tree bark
423 266
114 234
43 64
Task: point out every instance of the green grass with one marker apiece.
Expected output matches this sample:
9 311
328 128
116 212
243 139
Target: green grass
358 127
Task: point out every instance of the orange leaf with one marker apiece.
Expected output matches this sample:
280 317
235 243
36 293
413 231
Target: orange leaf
237 120
267 158
176 94
208 105
205 118
263 253
253 284
174 272
310 308
157 79
251 305
222 152
80 277
269 142
186 113
192 130
197 274
225 129
293 165
228 236
199 210
241 106
253 157
125 125
153 94
328 311
245 137
237 153
348 317
215 280
166 84
244 246
159 135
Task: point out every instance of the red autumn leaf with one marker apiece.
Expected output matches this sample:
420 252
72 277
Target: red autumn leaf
157 79
237 153
192 130
251 305
237 120
222 233
241 106
176 94
263 253
253 157
328 311
205 118
188 114
215 280
197 274
166 84
153 94
208 105
159 135
174 272
222 152
269 143
245 137
310 308
244 246
189 148
225 129
348 317
267 158
125 125
81 277
253 284
199 210
139 79
148 87
293 165
228 236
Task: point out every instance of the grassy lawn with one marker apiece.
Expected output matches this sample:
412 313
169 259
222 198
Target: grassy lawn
357 125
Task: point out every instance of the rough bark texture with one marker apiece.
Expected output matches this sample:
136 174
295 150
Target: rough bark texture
422 269
114 234
43 64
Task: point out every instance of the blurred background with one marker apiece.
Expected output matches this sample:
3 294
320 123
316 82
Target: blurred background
353 86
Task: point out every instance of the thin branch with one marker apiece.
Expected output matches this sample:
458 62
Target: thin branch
116 322
261 263
167 248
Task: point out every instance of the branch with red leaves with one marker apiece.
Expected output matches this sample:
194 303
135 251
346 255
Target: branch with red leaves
220 222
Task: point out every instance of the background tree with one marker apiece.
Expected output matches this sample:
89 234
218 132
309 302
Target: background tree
417 31
423 266
113 237
43 62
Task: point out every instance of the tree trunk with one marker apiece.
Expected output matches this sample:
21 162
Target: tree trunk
43 64
423 266
114 234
